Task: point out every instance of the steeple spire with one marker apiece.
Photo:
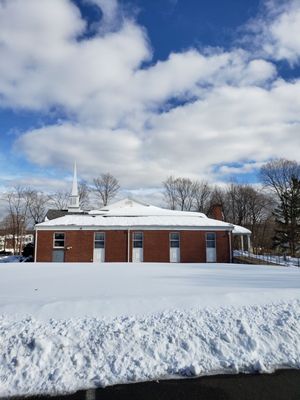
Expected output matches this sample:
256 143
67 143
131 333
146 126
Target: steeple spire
75 183
74 197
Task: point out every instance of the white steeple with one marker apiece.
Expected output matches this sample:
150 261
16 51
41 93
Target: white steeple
74 197
75 184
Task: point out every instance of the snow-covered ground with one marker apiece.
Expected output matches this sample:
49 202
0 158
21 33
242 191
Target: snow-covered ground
69 326
10 259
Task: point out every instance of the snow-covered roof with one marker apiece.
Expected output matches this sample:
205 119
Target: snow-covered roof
129 213
240 230
133 208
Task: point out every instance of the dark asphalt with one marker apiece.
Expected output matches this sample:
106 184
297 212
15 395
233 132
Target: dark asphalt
282 385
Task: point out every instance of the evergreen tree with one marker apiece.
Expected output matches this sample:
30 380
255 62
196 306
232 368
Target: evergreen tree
287 218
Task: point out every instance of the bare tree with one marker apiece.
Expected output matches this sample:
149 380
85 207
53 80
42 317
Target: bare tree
37 205
278 175
83 192
180 193
60 199
202 195
8 231
170 193
17 207
106 187
248 206
186 192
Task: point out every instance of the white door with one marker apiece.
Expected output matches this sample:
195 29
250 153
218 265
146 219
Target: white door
137 247
137 255
174 254
174 247
211 253
99 247
99 255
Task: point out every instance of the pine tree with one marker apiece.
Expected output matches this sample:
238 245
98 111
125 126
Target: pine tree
287 218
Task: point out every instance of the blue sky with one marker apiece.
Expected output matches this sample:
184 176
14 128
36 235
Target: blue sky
145 89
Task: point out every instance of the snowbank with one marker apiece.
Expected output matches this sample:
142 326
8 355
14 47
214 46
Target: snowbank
63 356
11 259
142 321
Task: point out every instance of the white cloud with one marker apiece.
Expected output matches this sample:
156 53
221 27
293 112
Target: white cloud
110 14
226 106
277 30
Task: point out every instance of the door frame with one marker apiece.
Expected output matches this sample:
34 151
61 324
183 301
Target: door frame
102 248
140 248
177 248
215 246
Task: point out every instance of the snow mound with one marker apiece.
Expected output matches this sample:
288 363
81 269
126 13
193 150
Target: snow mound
60 356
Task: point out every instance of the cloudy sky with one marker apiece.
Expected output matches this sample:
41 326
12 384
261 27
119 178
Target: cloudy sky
147 88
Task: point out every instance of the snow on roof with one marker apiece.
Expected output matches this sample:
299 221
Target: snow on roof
138 221
133 208
131 213
240 230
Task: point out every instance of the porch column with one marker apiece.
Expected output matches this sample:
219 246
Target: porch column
242 242
249 244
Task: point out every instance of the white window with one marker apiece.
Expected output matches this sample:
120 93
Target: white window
138 240
99 240
174 240
99 247
137 251
211 240
174 247
59 240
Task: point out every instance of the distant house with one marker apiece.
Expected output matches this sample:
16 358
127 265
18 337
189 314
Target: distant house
11 243
133 231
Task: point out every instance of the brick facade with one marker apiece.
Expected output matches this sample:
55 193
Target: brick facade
79 245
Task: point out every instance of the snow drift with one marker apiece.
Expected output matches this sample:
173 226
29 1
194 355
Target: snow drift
182 320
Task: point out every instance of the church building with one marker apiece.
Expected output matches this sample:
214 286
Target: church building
133 231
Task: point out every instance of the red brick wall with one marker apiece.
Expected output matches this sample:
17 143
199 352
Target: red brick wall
192 246
116 246
156 246
223 252
81 246
44 246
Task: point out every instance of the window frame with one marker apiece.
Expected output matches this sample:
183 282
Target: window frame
134 240
99 240
211 240
174 240
56 240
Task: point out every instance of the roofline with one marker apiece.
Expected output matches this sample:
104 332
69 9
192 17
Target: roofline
228 228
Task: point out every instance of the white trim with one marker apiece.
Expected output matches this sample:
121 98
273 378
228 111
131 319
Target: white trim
98 239
132 227
137 240
173 239
53 240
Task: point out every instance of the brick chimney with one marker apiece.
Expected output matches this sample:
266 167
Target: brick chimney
217 212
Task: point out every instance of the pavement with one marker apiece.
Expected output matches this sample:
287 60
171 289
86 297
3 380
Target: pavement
283 384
